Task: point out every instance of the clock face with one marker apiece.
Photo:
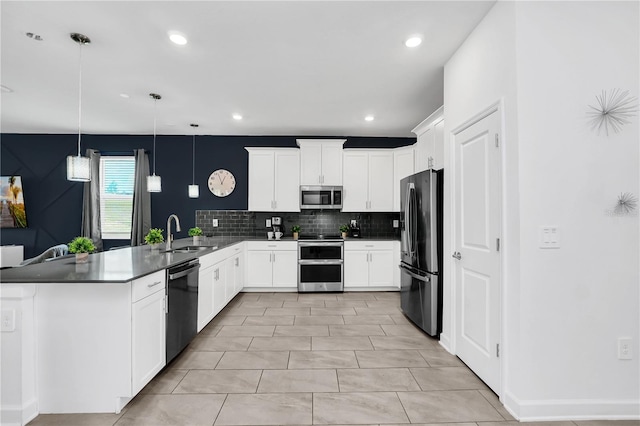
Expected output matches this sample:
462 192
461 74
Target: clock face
222 183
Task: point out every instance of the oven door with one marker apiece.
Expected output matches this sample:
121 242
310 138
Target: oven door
320 266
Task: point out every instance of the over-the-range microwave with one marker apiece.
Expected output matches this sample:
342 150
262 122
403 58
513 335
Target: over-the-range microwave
321 197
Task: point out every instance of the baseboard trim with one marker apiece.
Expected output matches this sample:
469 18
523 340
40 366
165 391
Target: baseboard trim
445 342
572 409
15 415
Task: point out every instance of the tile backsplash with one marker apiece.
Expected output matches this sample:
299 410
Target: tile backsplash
253 224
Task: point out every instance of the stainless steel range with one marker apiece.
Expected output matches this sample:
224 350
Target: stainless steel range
320 263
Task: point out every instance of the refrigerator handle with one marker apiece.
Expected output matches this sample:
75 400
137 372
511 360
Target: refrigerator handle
413 218
405 241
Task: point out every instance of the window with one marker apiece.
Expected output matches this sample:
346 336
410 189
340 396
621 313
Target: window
116 196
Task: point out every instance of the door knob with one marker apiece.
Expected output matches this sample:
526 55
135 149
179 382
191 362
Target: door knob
456 255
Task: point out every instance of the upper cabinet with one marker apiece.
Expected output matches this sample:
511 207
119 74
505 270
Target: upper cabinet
403 166
321 161
367 180
429 149
274 179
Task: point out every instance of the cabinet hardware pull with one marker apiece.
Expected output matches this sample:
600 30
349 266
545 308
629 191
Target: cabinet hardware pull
154 284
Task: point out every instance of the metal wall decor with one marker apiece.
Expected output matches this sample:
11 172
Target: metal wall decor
613 110
627 203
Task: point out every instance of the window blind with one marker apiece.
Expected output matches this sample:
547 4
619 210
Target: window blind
116 196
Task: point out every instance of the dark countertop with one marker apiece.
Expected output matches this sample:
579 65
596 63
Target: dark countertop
116 266
122 265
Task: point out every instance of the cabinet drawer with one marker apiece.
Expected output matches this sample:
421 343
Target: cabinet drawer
272 245
368 245
143 287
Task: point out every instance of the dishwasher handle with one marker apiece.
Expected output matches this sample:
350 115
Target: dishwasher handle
184 272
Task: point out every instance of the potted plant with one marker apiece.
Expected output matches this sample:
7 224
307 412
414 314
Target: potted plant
196 233
344 229
154 237
295 229
81 246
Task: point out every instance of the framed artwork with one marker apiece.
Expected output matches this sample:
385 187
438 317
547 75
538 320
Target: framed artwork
12 212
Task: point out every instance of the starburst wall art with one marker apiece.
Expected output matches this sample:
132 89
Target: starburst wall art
613 110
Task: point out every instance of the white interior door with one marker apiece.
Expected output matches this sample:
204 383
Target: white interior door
477 234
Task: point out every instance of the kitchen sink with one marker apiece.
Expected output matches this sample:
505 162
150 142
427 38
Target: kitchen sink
189 249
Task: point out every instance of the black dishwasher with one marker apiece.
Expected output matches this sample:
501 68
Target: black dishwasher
182 306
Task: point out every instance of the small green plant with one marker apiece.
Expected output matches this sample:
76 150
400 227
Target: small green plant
295 228
195 232
81 245
154 236
344 228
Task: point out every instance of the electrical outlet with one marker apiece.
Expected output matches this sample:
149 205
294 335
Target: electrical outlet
268 223
215 223
8 320
624 348
396 223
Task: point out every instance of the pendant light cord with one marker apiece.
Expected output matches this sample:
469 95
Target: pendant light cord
193 168
155 102
80 98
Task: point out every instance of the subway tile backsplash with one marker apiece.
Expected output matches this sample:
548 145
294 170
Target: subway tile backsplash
252 224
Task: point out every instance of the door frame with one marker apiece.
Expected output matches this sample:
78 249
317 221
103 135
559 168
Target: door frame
496 107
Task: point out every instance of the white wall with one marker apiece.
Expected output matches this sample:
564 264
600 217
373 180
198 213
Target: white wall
565 308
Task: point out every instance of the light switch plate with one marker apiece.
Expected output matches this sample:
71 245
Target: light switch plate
549 237
215 223
268 223
396 223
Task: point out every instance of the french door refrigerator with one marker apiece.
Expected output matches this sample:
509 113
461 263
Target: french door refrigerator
421 250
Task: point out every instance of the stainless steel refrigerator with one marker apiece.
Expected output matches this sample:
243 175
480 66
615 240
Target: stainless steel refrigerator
421 250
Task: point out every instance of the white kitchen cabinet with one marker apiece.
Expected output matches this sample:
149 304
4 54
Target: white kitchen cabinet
274 179
430 144
148 336
321 161
272 264
369 264
234 275
368 180
403 166
205 296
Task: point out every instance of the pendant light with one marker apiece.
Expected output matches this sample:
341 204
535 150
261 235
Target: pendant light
79 167
154 183
194 190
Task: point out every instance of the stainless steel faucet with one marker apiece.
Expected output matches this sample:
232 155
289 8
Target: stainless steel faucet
169 235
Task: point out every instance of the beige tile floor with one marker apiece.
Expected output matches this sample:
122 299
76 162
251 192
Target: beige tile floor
301 359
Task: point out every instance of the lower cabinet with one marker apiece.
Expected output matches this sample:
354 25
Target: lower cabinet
369 264
272 264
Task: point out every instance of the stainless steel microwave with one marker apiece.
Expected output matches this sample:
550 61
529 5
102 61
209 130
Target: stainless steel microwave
321 197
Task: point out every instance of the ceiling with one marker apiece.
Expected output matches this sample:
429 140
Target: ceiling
300 68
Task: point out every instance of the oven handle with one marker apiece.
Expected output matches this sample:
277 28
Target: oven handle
321 262
322 244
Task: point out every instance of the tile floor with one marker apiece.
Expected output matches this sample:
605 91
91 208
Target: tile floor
301 359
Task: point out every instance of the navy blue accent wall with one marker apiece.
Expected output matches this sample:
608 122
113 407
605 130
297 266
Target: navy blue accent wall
53 204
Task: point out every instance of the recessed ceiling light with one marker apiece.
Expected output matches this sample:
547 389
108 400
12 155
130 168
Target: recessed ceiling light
413 42
237 117
177 38
124 95
369 118
6 89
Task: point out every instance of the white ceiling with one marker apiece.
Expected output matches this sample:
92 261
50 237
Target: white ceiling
290 68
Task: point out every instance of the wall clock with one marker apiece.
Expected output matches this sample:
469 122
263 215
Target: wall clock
222 183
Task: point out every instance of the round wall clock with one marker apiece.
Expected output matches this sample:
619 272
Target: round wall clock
222 183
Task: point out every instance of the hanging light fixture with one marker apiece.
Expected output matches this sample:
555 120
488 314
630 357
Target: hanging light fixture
194 190
79 167
154 183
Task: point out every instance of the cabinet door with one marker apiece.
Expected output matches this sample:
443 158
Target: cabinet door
356 268
381 268
285 268
310 161
239 272
438 145
332 164
259 267
219 287
402 167
381 181
355 181
261 180
424 149
205 297
148 334
287 181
